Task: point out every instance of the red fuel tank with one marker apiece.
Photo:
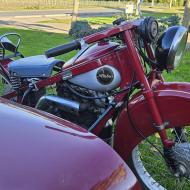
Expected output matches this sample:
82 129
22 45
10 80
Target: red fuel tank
106 76
94 52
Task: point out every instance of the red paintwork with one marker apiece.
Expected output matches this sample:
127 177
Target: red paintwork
42 152
146 88
4 65
178 86
97 51
173 102
102 53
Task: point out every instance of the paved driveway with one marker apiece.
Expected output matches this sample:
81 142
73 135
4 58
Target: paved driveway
33 19
35 23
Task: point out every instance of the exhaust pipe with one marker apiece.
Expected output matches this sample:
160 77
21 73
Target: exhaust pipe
61 103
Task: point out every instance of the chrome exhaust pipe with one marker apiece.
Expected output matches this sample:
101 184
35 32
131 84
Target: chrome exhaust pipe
61 103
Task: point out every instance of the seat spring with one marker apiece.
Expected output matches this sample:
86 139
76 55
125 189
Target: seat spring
1 52
15 81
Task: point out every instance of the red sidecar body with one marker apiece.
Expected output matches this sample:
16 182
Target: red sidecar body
43 152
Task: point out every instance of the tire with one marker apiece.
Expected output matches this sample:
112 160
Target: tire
5 84
151 168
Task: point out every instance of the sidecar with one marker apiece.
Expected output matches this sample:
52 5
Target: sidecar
43 152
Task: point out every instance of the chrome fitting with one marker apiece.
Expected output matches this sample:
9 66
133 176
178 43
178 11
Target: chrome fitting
161 127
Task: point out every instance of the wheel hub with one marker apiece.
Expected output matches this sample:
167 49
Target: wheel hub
178 159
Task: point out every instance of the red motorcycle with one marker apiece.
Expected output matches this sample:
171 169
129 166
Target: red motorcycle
116 91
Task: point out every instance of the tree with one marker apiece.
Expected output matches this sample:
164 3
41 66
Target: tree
171 1
75 10
137 6
152 4
186 15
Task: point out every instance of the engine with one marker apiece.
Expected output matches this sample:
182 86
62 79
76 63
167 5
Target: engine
73 103
83 98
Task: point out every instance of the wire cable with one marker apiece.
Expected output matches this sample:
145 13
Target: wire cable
139 132
99 97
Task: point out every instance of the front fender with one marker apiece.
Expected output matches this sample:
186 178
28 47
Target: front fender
173 101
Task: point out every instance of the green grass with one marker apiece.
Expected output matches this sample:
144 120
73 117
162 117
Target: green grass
99 20
182 72
66 20
91 20
37 42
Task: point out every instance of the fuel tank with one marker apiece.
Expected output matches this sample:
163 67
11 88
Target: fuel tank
43 152
104 78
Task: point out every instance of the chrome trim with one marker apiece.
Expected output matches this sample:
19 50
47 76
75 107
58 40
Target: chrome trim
181 32
146 178
161 127
62 103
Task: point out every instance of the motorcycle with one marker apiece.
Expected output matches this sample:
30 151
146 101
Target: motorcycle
116 91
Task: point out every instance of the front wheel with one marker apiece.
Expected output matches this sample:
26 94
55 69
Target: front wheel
158 172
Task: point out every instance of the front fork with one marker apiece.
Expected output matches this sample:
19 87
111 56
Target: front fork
159 124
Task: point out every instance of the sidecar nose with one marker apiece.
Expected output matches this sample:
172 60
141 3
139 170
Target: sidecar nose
43 152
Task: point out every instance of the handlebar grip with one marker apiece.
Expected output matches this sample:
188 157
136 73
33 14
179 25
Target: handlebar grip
62 49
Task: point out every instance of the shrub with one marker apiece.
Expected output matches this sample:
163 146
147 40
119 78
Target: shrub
166 22
80 29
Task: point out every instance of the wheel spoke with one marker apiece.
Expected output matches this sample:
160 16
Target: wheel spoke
154 167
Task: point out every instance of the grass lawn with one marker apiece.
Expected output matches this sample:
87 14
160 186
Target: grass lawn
37 42
91 20
182 72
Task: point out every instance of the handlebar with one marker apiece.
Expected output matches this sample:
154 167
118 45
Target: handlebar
62 49
124 26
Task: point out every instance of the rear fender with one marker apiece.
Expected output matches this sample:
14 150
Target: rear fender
173 101
4 65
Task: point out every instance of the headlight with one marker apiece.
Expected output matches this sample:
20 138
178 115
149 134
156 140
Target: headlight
170 47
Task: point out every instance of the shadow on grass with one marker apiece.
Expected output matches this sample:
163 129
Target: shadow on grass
31 26
116 8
